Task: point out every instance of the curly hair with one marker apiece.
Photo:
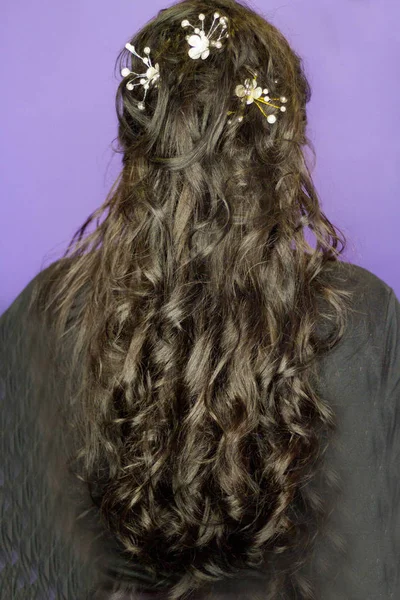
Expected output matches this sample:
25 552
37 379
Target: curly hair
199 416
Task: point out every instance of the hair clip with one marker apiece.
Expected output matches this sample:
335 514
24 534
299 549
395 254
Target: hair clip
201 41
250 92
149 77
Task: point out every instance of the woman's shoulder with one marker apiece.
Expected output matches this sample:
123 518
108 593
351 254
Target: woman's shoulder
372 295
360 276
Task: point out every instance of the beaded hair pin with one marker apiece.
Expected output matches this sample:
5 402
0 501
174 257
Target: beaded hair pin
200 43
250 92
149 77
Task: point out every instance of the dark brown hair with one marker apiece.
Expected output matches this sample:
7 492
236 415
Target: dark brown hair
198 406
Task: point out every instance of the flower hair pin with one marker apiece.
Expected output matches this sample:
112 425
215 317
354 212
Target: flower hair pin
250 92
149 77
200 41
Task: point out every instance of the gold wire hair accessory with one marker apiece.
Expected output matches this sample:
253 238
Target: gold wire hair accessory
251 93
200 41
149 77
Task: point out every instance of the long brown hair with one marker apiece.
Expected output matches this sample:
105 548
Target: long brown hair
197 342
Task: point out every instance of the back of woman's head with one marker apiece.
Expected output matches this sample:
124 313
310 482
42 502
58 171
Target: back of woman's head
197 341
186 118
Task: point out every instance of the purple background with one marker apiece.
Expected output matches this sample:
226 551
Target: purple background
58 120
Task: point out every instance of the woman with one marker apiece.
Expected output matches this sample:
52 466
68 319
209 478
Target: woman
197 403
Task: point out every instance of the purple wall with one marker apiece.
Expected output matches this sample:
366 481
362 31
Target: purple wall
57 102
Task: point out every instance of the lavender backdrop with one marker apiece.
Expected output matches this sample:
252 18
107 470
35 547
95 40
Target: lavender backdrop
58 120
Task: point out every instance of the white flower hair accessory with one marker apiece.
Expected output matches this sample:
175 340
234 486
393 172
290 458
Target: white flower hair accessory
200 41
251 93
149 77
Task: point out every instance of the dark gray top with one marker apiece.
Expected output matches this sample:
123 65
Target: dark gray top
43 554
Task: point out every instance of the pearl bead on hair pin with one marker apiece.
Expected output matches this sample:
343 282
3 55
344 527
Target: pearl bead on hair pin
149 77
250 92
200 41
